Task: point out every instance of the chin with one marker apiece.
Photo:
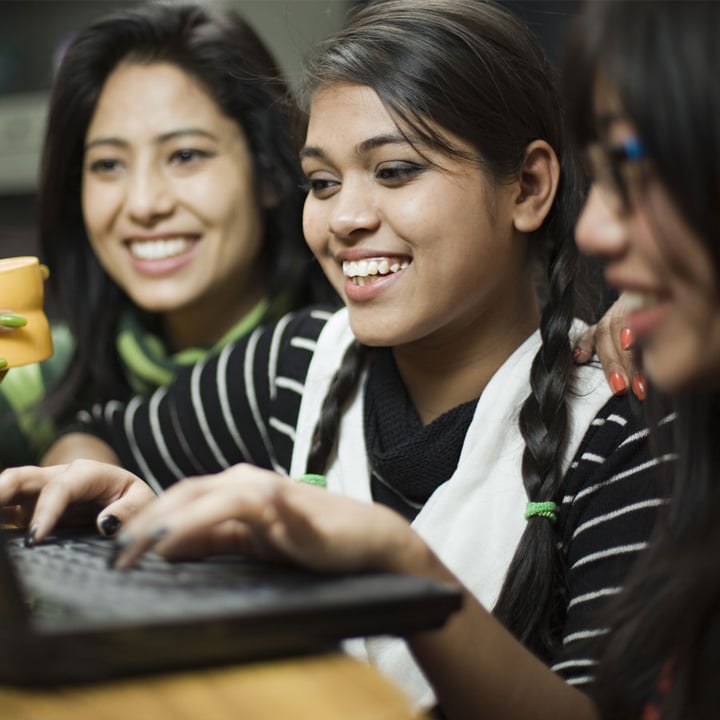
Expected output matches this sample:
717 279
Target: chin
159 306
677 378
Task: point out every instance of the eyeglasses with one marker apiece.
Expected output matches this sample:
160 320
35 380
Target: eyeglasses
611 168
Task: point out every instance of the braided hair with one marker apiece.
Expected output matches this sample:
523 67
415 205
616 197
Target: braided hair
474 70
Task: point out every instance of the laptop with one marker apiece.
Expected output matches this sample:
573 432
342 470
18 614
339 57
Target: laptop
67 617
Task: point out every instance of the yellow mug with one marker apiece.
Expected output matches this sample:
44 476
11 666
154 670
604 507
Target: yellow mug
22 291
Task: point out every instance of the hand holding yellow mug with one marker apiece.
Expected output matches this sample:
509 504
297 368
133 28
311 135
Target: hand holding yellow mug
22 294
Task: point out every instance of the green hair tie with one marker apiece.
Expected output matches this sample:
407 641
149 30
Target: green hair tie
541 509
312 479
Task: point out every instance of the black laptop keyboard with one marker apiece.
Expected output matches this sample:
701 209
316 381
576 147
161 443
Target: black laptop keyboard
72 576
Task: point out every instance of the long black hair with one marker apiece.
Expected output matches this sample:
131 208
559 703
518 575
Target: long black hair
475 71
662 62
225 55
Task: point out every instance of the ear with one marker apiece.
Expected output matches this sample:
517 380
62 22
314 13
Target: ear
538 183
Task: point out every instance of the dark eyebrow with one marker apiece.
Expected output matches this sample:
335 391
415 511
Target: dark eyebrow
364 147
120 143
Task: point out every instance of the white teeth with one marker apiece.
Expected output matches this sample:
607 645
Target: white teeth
637 300
361 269
159 249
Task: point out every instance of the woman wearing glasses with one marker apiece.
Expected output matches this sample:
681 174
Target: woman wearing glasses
652 217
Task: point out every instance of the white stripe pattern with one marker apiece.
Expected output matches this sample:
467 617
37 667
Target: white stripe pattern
584 635
595 595
303 344
146 475
252 399
640 435
287 383
202 415
225 404
153 413
643 505
615 478
283 428
581 680
609 552
274 348
577 662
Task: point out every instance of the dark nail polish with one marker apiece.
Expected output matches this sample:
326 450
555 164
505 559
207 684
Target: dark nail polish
30 536
109 525
119 544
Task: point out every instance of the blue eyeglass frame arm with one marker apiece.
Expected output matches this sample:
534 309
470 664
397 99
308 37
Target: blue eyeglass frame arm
629 149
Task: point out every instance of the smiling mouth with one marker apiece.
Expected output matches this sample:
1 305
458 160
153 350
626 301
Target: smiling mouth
361 272
160 249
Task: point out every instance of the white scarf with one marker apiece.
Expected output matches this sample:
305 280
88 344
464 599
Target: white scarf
473 522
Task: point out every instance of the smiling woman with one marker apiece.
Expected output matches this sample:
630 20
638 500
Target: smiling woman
170 202
169 214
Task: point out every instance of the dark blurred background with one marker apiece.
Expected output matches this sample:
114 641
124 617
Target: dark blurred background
34 32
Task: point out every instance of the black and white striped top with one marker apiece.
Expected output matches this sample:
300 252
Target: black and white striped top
242 406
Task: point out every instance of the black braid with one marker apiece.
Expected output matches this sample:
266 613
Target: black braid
341 388
535 586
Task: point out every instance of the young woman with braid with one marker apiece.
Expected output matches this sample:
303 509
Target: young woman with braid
440 190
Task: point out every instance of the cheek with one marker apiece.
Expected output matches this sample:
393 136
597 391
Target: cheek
94 207
228 207
315 227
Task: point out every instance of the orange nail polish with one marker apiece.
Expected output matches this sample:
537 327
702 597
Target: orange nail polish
626 338
577 352
639 387
617 383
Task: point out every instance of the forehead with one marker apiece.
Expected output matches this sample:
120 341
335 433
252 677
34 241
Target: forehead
352 118
346 114
610 117
156 96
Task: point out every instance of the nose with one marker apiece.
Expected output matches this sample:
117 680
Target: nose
599 231
149 195
353 212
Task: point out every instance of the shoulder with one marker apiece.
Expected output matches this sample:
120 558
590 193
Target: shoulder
306 324
293 338
275 355
619 423
614 471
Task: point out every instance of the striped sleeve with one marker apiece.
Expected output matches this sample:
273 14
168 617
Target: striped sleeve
610 502
240 405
